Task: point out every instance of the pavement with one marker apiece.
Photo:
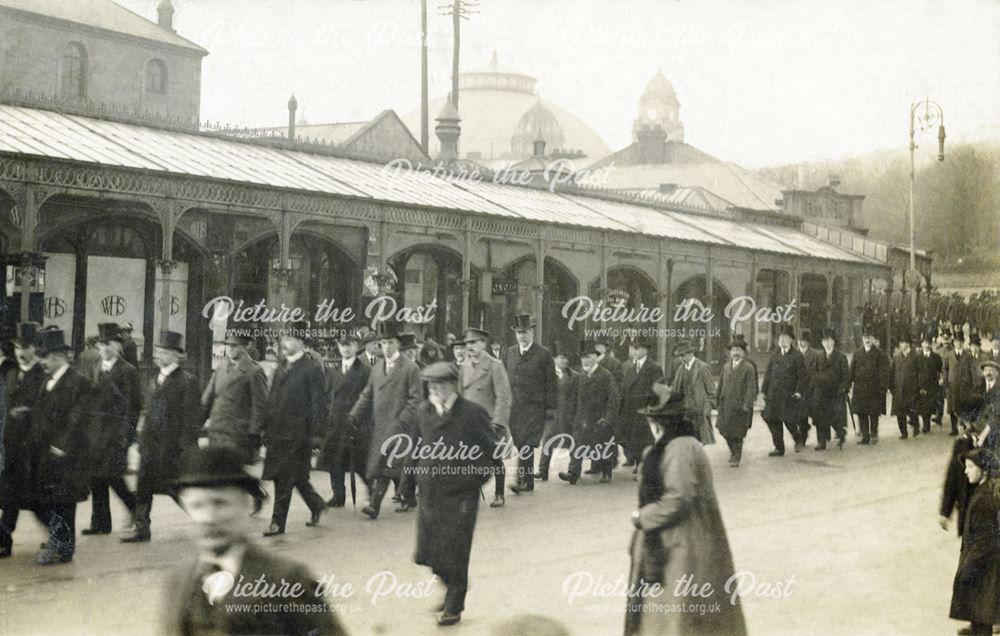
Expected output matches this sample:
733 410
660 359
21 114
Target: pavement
836 542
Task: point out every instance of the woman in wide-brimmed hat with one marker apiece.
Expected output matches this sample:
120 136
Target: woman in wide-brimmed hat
679 530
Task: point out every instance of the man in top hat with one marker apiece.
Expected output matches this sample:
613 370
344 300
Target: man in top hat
236 400
534 395
929 381
785 385
449 482
810 357
294 425
23 386
903 376
173 418
598 406
830 382
62 443
130 352
638 376
219 497
559 429
735 396
117 405
483 380
957 368
343 449
694 381
869 375
389 400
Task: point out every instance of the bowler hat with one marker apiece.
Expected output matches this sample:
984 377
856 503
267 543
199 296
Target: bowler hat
789 330
471 333
682 347
587 347
107 331
367 335
974 339
664 401
215 466
439 372
738 341
958 336
171 340
407 340
828 333
27 334
51 340
523 321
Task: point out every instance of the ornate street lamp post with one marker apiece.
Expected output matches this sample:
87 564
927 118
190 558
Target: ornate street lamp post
923 116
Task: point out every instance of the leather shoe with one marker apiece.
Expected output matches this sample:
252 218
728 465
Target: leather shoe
89 531
406 506
605 479
273 530
776 453
370 511
840 443
567 477
314 518
498 502
820 448
517 489
137 538
335 503
447 618
51 557
542 476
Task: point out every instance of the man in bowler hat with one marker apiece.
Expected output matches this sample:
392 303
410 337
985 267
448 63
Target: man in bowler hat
785 386
219 497
117 405
638 376
831 380
236 400
172 420
735 396
869 373
597 407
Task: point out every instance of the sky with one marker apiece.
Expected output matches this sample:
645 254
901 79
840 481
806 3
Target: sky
760 82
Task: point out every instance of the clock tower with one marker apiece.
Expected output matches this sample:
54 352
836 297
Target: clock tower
658 107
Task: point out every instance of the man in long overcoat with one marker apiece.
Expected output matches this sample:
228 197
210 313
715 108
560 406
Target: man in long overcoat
810 357
560 428
389 401
61 447
483 380
785 385
694 381
236 400
343 449
598 406
534 396
735 397
449 482
870 379
170 428
929 381
903 375
117 405
23 387
296 414
829 385
638 376
957 369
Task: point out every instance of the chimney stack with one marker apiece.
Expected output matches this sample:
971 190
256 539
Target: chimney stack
165 15
293 105
448 131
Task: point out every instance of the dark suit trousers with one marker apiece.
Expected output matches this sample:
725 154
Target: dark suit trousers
778 433
526 466
868 425
735 447
901 422
283 499
100 516
59 518
144 507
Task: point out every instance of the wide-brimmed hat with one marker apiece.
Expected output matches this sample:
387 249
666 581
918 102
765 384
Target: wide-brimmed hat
27 334
108 331
523 321
171 340
215 466
471 333
990 363
439 372
682 347
51 340
664 401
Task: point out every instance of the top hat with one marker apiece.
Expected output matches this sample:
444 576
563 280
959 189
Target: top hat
389 329
407 340
868 329
107 331
171 340
682 347
50 340
234 337
559 350
215 466
439 372
587 347
471 333
789 330
27 334
523 321
828 333
665 401
738 341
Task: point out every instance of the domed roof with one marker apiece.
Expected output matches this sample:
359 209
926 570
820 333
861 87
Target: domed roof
537 123
660 85
493 76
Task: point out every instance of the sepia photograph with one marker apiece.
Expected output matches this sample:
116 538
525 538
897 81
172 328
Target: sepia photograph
499 317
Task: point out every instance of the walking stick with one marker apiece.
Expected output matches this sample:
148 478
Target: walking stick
850 411
354 482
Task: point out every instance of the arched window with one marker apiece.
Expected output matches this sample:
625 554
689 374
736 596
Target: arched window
156 77
73 71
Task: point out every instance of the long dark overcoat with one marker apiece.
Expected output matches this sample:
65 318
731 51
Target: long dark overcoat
928 382
342 392
235 400
830 382
870 378
173 419
636 389
903 374
785 376
598 399
976 589
296 412
116 407
533 390
62 441
735 396
22 390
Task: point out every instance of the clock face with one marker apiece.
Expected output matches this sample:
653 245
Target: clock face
651 114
